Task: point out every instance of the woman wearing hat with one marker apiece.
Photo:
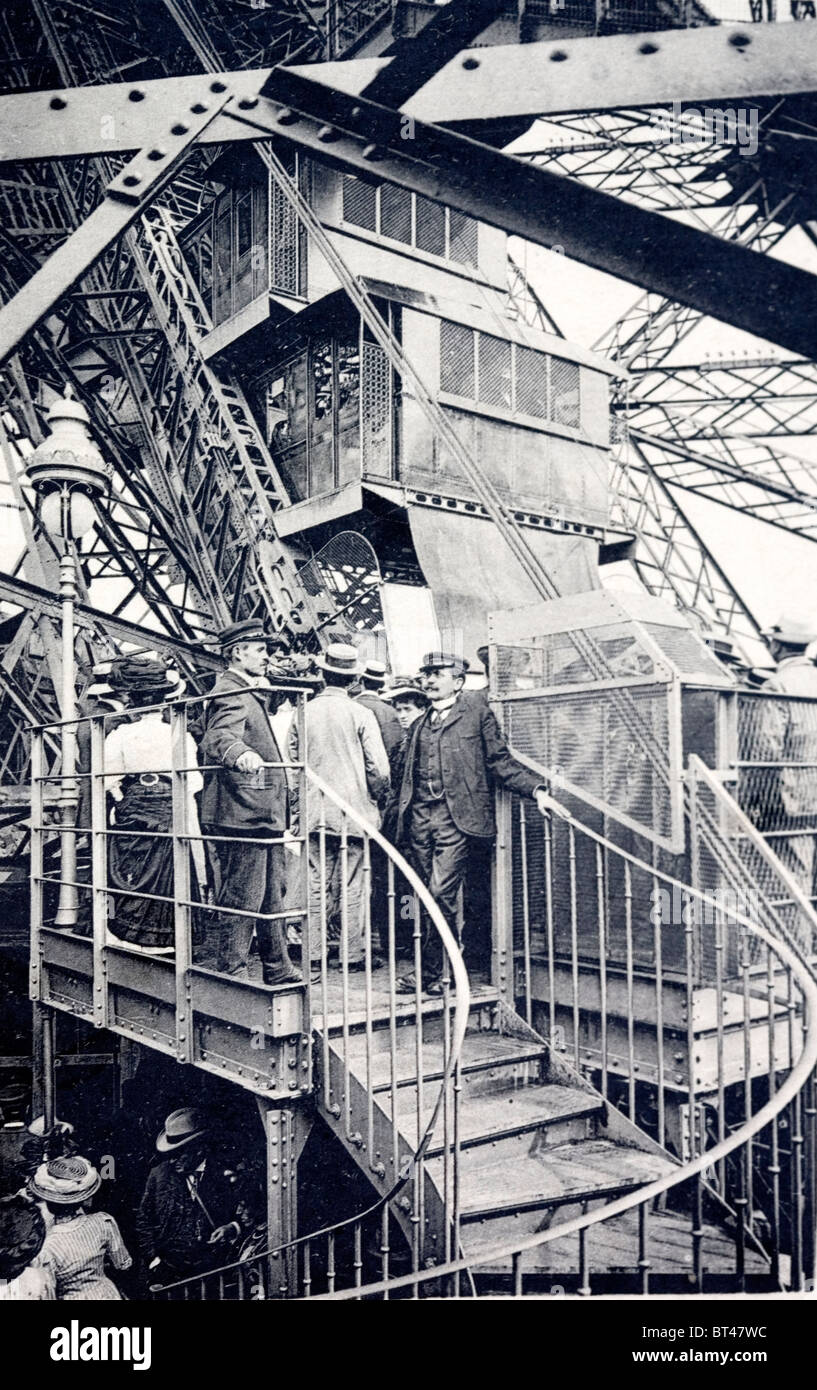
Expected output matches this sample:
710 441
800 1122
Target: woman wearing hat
80 1243
138 760
24 1274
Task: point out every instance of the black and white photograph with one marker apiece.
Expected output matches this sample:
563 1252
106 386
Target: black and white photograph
408 667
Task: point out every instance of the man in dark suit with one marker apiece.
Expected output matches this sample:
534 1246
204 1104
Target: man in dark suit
455 756
194 1210
373 683
245 802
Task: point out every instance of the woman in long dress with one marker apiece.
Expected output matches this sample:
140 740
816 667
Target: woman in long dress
138 761
81 1244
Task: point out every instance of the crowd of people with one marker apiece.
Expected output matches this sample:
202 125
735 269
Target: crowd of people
188 1207
415 757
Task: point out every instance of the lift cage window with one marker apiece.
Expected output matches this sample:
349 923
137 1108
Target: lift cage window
360 203
495 385
395 213
410 218
457 370
463 238
430 226
516 378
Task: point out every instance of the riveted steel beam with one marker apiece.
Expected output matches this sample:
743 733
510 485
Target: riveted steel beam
624 70
759 294
33 596
128 194
414 61
494 83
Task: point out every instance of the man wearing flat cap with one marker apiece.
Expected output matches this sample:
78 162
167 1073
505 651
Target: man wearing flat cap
245 804
455 756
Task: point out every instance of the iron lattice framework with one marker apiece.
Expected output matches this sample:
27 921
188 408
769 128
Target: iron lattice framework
705 427
189 540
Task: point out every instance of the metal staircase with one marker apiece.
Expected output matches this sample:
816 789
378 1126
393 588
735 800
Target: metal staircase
231 481
492 1159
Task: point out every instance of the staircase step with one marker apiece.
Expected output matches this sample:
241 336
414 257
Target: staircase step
482 1050
482 997
612 1247
576 1172
521 1110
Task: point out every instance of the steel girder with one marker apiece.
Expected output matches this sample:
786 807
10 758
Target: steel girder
766 297
493 83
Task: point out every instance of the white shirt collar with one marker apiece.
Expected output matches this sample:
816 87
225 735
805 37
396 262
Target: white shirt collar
252 682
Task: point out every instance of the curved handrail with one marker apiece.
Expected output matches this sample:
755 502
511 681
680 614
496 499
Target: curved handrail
786 1092
462 1001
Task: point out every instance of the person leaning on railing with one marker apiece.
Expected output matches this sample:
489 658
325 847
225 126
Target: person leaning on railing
245 805
455 756
139 754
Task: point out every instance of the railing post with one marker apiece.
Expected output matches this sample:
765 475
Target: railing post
44 1058
502 898
182 914
99 873
35 983
67 908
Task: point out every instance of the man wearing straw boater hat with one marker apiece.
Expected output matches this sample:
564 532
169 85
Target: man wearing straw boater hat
244 804
373 684
345 748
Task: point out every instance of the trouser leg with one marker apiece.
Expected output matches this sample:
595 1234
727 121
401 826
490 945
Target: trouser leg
272 942
251 876
351 920
441 853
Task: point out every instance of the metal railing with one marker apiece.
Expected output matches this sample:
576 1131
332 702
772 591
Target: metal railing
658 982
361 1090
348 891
751 1143
729 1064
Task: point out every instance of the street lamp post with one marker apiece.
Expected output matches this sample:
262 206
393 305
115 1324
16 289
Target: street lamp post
69 475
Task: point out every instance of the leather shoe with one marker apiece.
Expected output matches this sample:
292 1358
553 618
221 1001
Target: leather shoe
281 975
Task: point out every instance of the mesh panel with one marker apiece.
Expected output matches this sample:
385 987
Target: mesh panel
686 651
556 660
346 574
430 225
457 359
564 392
222 264
395 212
495 371
359 203
376 411
463 238
531 382
283 255
749 874
777 782
585 737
